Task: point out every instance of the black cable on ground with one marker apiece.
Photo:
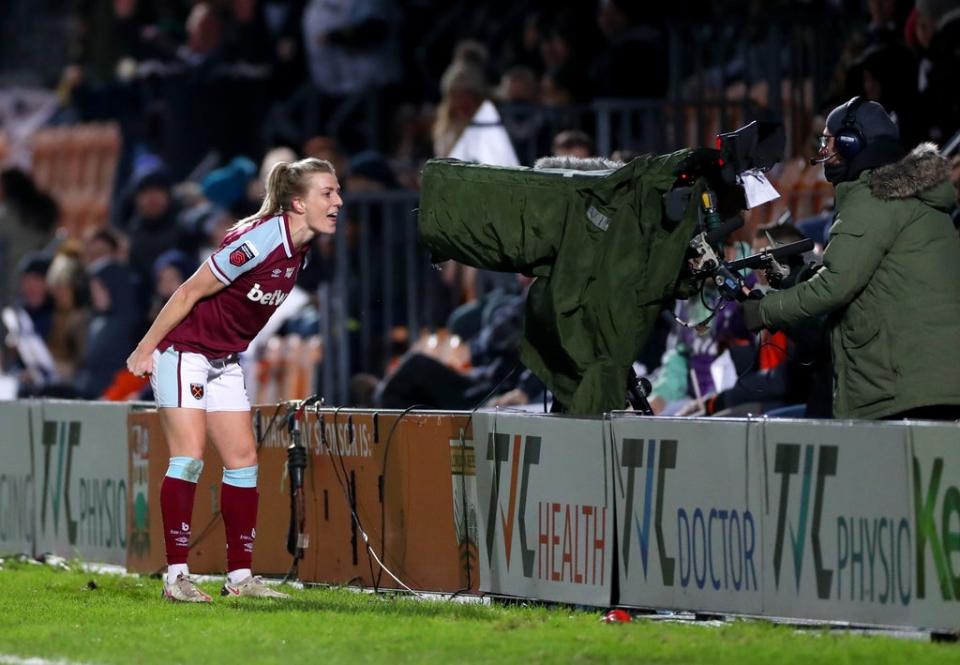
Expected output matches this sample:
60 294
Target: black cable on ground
349 494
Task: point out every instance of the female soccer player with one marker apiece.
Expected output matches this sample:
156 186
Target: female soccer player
191 350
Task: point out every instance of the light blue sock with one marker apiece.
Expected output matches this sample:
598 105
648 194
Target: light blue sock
243 477
185 468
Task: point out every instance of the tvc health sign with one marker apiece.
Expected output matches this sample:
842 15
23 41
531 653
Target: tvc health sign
546 508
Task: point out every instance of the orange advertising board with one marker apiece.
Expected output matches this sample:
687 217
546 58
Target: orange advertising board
403 476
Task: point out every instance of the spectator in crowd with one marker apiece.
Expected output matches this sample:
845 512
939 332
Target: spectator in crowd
283 22
573 143
350 45
246 36
558 87
66 283
523 50
28 218
464 90
229 187
280 153
467 127
565 37
170 270
155 225
518 85
887 74
890 280
33 297
468 373
629 40
370 171
27 323
938 30
884 26
467 124
115 315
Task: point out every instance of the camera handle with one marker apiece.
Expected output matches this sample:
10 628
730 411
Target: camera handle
638 389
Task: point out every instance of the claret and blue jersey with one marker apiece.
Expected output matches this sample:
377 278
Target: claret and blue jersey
259 266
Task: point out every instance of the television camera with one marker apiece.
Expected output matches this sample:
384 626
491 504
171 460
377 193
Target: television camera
608 246
746 152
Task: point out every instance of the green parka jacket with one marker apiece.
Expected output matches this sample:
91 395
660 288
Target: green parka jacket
891 282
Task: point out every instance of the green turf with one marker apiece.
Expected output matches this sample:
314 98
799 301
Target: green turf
60 614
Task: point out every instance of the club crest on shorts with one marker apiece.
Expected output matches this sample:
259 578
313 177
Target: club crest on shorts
196 389
242 254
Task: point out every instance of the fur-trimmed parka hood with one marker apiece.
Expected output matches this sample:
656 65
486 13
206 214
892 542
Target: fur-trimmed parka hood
577 163
923 174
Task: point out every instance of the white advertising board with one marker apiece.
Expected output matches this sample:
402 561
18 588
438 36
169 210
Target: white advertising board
689 505
838 526
934 469
17 494
546 507
80 454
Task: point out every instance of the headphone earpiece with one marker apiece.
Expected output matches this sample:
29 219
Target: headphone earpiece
849 139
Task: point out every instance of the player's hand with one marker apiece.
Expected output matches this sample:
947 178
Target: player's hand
140 362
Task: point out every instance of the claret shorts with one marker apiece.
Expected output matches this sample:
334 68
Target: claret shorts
187 380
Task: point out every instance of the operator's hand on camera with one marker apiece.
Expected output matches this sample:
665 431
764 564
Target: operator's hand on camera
799 273
751 311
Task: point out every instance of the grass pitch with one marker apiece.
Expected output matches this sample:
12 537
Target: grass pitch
94 618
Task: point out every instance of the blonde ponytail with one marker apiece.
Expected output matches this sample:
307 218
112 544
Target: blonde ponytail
285 182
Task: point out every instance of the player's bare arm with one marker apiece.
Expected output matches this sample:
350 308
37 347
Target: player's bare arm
202 284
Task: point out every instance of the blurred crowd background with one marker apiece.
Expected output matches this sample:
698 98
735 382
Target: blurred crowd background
134 132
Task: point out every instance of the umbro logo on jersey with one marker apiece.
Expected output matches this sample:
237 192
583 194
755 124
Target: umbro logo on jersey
271 298
242 254
276 272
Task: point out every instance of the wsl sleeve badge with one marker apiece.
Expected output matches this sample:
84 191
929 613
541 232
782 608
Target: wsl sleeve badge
242 254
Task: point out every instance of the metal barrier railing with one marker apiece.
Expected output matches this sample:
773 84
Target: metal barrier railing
383 287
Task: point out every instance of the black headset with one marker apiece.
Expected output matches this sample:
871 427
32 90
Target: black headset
849 139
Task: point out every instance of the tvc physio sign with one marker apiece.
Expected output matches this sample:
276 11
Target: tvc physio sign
855 522
840 538
80 465
688 498
63 479
546 509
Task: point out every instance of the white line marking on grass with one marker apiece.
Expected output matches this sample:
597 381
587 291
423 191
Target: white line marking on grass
7 659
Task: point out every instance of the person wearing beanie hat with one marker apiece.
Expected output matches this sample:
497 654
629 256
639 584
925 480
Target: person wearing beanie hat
889 288
227 186
864 136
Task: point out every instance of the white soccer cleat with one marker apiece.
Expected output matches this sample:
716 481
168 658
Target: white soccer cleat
183 590
253 587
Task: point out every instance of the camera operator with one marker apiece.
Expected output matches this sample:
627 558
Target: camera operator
890 280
